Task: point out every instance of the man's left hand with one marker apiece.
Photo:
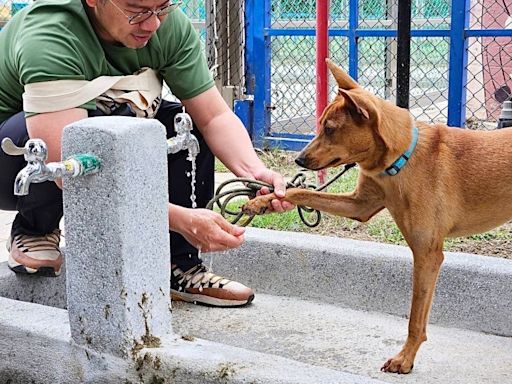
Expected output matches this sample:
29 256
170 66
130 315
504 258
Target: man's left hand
277 180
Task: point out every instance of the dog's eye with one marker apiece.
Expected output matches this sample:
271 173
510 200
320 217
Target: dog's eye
328 131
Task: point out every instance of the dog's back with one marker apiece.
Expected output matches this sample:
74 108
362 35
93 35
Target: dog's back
474 171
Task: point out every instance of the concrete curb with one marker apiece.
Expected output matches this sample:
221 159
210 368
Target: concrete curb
43 353
49 291
473 291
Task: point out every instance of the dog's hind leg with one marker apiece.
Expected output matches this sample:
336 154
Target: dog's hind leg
427 264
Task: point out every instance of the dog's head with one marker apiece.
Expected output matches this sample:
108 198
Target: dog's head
352 127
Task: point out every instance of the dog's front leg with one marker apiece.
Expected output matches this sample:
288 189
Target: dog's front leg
426 270
355 205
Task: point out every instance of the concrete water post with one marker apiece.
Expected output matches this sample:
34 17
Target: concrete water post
117 241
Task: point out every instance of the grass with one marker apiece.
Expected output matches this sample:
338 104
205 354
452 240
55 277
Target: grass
380 228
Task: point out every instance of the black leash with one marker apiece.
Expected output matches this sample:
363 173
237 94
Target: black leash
251 187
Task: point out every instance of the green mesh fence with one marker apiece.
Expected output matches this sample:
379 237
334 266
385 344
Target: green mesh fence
368 9
195 9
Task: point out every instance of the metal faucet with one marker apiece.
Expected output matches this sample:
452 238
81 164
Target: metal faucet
35 152
184 138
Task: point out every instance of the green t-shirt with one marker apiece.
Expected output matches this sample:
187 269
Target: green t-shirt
54 40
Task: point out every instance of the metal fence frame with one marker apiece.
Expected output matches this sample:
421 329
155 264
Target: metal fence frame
256 114
249 91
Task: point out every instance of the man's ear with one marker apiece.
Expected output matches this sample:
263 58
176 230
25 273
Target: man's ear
92 3
355 102
342 78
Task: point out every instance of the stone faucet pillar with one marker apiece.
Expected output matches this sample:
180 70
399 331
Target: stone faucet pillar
117 240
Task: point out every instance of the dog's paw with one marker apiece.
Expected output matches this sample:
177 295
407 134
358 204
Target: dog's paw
398 364
258 205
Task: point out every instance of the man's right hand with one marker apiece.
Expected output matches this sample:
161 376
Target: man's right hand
206 230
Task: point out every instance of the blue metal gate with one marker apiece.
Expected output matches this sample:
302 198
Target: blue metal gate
447 36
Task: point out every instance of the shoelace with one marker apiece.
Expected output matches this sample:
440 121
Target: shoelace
200 277
49 242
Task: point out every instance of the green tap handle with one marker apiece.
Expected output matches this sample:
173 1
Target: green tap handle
80 165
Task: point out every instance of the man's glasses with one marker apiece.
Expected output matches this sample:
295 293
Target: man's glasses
143 16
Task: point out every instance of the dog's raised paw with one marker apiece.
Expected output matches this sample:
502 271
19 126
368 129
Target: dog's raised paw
256 206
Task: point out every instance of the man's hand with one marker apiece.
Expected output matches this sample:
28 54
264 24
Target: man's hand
206 230
279 184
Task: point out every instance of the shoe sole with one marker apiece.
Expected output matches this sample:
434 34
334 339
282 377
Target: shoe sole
208 300
22 270
43 271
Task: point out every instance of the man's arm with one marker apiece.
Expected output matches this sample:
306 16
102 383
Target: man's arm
229 141
49 127
202 228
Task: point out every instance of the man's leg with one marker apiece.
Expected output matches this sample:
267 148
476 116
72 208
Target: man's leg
191 281
35 235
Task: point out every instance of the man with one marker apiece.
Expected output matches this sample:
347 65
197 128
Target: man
55 40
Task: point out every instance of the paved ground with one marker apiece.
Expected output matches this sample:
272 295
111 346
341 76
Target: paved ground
339 338
347 340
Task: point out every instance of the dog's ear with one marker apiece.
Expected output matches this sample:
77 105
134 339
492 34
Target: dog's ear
355 102
342 78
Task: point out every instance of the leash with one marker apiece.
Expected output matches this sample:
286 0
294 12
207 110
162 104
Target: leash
222 198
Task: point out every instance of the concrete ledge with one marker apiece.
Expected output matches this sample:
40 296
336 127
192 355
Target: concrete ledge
202 361
33 289
36 347
473 291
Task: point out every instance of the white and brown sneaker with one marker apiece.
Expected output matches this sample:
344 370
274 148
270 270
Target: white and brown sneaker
200 286
35 255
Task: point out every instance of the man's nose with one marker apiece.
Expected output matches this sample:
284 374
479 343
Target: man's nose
151 24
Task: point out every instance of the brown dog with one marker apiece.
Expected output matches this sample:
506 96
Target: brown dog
456 182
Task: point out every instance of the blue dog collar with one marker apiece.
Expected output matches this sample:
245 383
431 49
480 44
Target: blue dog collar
399 163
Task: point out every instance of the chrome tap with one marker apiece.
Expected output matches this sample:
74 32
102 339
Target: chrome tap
184 138
35 152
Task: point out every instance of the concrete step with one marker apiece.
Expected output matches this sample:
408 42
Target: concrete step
473 292
341 305
348 340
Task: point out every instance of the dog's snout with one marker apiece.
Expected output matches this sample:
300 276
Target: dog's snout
300 161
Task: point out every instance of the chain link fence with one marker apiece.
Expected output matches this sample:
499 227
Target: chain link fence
221 27
489 63
293 59
488 70
293 75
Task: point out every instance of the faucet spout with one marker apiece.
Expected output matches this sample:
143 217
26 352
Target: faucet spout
176 144
36 171
193 147
184 139
25 177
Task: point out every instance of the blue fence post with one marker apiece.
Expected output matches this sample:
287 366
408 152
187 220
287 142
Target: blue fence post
457 69
353 50
250 77
258 67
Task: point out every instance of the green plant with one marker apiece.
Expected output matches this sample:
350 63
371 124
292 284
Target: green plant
219 167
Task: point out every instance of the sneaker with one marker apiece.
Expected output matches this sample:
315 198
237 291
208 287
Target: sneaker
35 255
199 285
